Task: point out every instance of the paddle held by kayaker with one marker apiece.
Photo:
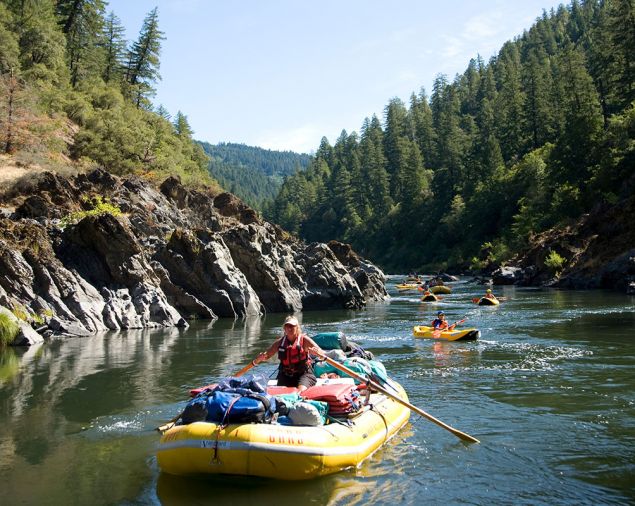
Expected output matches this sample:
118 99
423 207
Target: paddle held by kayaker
293 349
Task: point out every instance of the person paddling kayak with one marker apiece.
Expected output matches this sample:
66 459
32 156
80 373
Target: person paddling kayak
293 349
440 323
489 294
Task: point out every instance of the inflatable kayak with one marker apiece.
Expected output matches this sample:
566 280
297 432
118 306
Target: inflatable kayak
429 298
441 289
485 301
447 335
407 286
285 452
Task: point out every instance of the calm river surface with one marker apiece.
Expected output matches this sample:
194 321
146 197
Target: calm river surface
549 389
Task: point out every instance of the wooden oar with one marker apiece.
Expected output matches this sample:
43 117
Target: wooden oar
379 388
168 425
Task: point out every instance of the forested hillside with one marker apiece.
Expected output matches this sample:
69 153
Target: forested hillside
74 93
254 174
534 138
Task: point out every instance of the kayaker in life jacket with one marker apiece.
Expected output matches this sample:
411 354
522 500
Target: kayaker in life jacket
489 294
293 349
440 323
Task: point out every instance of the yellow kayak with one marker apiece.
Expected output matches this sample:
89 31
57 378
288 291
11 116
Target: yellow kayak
441 289
281 451
429 298
485 301
407 286
447 335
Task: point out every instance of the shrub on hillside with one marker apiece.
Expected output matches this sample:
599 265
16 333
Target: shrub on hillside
8 330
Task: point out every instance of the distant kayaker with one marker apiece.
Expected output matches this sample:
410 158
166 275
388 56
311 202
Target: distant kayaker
293 349
440 323
489 294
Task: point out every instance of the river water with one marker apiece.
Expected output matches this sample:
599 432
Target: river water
549 389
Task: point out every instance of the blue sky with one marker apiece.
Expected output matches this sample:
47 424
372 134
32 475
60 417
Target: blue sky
281 74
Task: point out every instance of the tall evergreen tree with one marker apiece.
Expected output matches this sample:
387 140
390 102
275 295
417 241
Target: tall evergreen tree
397 128
82 22
574 154
181 126
9 46
421 114
510 103
621 23
41 43
374 163
142 70
114 47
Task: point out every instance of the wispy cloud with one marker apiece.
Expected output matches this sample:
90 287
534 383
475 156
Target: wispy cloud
480 33
482 26
303 139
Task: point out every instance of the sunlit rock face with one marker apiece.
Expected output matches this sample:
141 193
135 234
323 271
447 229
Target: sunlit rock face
173 254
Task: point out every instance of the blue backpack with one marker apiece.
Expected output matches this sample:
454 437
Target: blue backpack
240 407
233 400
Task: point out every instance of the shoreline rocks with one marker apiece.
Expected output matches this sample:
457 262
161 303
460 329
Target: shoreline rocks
174 254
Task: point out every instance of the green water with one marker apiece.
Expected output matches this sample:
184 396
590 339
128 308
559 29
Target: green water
548 389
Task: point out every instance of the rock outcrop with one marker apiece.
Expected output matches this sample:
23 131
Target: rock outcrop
598 251
173 254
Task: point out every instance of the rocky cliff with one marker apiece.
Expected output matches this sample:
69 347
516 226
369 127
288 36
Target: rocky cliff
173 254
598 251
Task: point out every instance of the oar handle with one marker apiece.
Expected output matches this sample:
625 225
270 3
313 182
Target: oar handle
376 386
249 366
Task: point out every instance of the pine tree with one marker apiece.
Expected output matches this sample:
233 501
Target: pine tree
421 115
82 22
181 126
16 114
41 43
142 69
621 24
574 153
397 128
538 115
510 103
374 163
9 47
163 112
114 47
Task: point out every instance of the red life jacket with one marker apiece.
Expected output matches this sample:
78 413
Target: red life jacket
438 323
293 357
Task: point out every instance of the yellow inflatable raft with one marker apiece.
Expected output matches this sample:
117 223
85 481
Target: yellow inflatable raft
486 301
407 286
429 298
441 289
447 335
282 451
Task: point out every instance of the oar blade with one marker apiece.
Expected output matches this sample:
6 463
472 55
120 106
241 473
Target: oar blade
465 437
166 427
